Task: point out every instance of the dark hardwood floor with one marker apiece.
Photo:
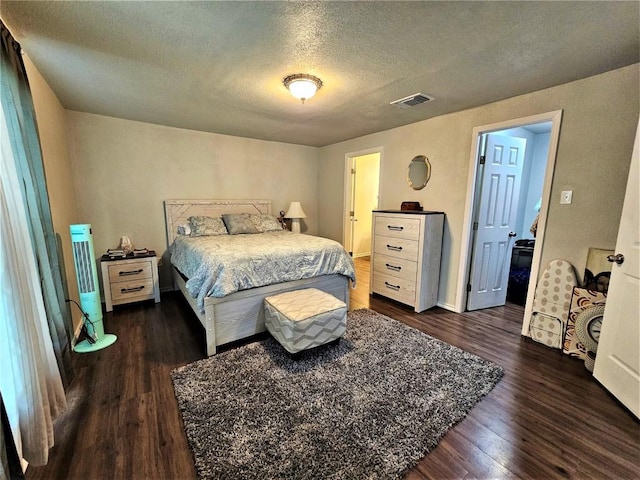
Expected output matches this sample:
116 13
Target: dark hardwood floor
547 418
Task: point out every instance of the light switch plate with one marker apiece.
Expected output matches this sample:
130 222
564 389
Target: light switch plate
565 197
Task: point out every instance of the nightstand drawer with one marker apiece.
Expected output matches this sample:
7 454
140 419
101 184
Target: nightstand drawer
130 271
132 289
130 279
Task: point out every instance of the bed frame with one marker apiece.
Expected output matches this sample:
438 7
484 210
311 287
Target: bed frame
238 315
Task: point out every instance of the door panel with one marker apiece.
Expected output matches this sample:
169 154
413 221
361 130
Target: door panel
496 219
618 357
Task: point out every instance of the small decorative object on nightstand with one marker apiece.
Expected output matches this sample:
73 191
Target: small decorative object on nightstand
130 279
282 220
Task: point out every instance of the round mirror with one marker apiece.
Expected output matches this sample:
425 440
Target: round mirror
419 172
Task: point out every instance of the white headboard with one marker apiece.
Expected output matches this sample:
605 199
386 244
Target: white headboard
177 212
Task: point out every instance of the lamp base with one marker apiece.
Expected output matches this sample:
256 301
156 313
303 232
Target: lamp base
85 347
295 225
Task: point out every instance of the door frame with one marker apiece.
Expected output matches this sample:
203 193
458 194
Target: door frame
555 117
346 202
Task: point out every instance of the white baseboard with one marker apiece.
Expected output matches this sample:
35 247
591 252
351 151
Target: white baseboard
447 306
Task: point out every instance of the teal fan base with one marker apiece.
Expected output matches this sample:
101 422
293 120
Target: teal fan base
85 347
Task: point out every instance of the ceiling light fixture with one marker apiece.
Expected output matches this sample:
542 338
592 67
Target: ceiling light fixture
302 86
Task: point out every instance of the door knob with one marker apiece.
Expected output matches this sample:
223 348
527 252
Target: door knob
512 234
617 258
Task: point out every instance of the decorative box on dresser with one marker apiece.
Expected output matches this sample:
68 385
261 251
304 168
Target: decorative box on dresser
405 259
130 279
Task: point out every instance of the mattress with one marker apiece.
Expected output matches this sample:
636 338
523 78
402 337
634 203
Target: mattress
217 266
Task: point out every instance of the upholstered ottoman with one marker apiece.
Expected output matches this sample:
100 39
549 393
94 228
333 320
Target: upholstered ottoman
303 319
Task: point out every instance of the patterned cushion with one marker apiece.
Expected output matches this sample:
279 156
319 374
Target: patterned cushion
239 223
201 226
266 223
303 319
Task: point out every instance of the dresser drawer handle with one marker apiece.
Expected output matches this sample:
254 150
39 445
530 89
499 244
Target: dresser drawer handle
131 272
393 267
394 248
395 228
392 286
131 290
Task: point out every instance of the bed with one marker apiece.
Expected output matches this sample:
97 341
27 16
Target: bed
233 315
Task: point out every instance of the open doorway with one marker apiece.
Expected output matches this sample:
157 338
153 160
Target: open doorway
506 202
362 179
509 185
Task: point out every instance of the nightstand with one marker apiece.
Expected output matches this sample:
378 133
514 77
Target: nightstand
130 279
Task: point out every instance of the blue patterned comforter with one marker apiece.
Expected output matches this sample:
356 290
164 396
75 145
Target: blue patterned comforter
217 266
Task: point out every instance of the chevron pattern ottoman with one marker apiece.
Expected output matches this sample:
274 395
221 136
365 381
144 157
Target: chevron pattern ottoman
303 319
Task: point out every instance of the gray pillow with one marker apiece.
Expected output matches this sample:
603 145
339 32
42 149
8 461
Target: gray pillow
201 226
266 223
239 223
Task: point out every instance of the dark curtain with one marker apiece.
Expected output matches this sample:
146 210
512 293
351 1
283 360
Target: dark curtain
18 107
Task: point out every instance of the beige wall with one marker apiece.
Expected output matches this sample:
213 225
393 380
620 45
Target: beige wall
598 126
123 171
52 129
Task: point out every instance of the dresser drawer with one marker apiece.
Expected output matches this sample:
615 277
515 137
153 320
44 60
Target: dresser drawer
397 226
396 247
126 272
396 267
124 291
396 288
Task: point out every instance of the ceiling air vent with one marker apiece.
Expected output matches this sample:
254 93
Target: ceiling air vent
412 100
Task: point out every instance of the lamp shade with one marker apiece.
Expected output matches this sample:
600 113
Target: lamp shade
302 86
302 89
295 211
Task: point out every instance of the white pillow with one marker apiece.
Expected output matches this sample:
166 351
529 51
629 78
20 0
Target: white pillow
184 229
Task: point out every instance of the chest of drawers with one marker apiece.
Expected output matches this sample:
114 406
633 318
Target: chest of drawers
405 259
130 280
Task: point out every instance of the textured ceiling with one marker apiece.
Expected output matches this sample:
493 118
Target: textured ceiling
218 66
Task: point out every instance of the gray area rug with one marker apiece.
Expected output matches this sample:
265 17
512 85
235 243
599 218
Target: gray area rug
370 407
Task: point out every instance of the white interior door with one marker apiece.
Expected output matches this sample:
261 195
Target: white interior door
495 221
618 358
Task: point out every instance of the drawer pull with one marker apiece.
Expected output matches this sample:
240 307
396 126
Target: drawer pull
394 248
130 272
393 267
395 228
131 290
392 286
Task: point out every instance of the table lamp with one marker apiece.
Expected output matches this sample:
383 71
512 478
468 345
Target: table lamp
295 213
